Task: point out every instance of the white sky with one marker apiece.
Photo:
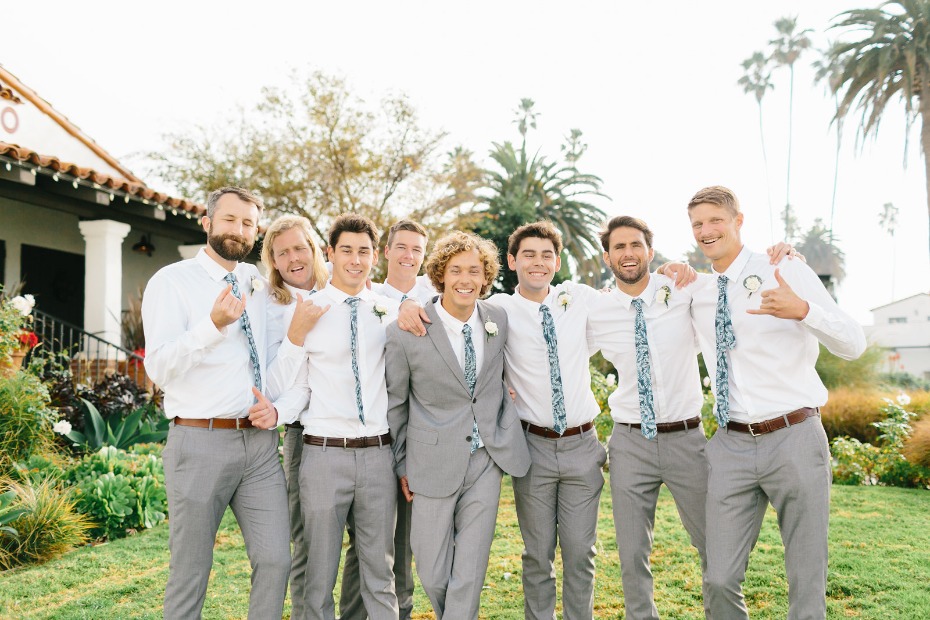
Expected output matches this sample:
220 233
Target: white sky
652 86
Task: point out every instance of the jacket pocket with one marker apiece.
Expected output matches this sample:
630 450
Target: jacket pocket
422 435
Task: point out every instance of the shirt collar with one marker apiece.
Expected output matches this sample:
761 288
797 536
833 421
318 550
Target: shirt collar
453 323
736 267
535 304
297 291
340 296
216 271
648 295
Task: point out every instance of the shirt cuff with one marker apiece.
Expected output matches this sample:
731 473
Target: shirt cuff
289 350
815 316
206 334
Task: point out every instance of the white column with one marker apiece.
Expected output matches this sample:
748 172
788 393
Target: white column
103 277
190 251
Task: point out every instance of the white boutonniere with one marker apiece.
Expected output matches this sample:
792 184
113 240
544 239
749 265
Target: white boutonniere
663 294
752 284
257 285
379 311
564 299
491 328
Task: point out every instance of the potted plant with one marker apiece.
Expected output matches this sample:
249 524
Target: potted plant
16 339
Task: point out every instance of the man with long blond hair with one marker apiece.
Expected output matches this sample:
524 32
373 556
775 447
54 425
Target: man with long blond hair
455 428
296 270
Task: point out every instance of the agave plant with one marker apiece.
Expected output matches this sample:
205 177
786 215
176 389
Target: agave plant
132 429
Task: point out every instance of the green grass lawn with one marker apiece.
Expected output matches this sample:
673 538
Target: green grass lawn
879 568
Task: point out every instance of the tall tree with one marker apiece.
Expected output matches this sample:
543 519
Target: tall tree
523 188
888 220
316 149
787 48
888 59
756 80
822 254
828 71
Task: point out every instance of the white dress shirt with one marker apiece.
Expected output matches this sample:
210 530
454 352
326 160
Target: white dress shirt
205 372
526 358
421 292
771 369
327 370
456 336
284 357
676 381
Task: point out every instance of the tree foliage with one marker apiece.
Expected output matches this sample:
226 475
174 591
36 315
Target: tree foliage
887 58
316 149
523 188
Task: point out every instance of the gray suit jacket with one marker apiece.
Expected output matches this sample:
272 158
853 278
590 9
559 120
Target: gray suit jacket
430 409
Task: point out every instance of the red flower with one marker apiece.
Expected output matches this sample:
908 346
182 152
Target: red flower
28 339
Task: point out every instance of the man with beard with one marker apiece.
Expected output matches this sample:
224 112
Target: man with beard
643 327
205 331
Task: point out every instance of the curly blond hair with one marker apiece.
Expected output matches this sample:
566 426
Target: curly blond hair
455 243
284 223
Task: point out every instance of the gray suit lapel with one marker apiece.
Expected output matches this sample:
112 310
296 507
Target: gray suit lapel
492 344
436 332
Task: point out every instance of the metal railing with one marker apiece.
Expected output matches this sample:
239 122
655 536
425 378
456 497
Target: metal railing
91 356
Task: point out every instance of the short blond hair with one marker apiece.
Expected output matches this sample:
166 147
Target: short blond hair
455 243
284 223
716 195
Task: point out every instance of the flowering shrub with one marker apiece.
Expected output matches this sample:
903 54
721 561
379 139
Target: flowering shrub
15 318
857 462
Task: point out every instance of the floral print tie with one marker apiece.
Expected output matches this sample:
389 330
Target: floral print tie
555 375
726 340
353 333
247 328
471 378
647 414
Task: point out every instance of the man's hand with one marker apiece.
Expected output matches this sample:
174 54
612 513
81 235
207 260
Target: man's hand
781 250
227 308
405 488
306 314
263 414
682 273
782 302
411 318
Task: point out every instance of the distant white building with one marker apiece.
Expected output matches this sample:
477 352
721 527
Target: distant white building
903 327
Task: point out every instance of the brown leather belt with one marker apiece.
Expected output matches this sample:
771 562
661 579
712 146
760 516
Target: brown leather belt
671 427
296 425
216 423
348 442
548 433
775 424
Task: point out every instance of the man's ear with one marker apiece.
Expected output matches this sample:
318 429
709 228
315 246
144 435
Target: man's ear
205 222
512 262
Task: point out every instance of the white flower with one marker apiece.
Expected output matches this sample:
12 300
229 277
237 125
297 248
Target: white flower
663 294
706 381
379 311
257 284
752 284
564 300
490 327
611 380
23 304
903 399
507 576
62 427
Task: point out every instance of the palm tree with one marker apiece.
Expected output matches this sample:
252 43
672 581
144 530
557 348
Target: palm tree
828 70
891 59
788 46
822 254
888 220
525 188
756 81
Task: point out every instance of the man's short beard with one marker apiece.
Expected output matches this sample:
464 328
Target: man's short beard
235 252
637 278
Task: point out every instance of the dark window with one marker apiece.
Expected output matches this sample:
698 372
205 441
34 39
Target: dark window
56 279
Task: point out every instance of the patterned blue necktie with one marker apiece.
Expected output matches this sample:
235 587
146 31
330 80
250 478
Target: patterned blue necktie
353 330
647 413
555 374
471 378
726 340
403 298
247 328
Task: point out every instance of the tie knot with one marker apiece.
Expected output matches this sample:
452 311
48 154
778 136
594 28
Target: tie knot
353 301
638 303
545 310
231 278
466 329
722 281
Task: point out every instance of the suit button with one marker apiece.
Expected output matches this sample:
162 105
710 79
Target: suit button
468 439
474 400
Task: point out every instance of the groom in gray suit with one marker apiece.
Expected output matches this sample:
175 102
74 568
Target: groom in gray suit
454 426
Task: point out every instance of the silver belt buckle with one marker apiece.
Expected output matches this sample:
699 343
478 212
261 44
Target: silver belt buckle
751 431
